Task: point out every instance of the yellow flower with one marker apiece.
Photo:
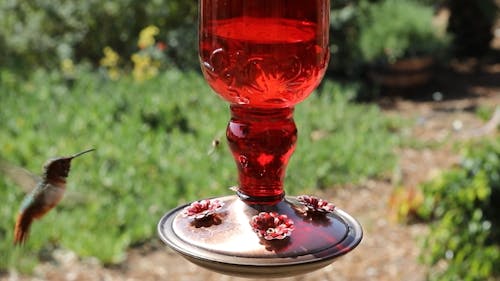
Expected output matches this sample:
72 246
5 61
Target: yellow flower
146 36
110 62
114 73
110 58
144 67
67 67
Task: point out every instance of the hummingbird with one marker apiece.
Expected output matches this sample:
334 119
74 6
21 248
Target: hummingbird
46 195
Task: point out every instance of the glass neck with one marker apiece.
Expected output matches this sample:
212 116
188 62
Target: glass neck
262 141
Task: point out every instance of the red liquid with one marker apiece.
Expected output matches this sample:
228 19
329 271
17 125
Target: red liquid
262 142
270 53
263 56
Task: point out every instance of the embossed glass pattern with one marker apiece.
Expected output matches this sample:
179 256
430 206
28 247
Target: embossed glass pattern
272 57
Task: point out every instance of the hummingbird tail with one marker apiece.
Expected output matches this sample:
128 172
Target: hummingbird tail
22 228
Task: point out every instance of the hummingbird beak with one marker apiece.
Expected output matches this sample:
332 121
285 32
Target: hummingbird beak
80 153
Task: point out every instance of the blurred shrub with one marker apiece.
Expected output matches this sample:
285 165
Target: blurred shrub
352 19
47 31
344 29
183 46
394 29
463 204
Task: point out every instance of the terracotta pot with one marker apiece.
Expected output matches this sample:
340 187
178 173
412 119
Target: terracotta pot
404 73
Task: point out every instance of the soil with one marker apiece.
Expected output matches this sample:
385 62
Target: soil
443 114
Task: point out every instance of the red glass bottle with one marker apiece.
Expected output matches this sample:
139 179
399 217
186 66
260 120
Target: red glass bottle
263 57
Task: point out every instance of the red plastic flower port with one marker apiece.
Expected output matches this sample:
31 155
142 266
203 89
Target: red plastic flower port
202 209
271 226
316 205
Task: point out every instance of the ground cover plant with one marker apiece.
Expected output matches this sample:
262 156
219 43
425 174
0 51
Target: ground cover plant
462 208
155 149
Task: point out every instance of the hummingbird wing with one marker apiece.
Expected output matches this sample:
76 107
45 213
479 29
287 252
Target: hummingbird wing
21 177
27 180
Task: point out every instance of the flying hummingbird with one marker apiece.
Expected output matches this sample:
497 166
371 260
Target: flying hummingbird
46 195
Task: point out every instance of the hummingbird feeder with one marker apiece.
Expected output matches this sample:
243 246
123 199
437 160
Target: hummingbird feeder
263 57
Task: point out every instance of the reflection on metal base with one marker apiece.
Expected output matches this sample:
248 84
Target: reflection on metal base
226 242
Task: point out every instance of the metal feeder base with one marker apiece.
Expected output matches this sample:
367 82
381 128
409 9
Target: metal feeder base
227 243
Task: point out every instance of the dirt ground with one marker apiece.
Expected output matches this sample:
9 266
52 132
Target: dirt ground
442 115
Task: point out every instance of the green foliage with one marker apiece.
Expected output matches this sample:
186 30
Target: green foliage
154 151
485 112
47 31
393 29
352 19
463 204
340 142
344 29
